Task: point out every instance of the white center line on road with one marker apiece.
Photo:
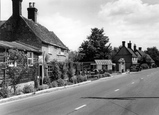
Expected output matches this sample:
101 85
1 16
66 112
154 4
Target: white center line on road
80 107
117 90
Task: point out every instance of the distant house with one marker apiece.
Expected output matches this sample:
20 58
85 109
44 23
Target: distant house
28 31
125 58
142 54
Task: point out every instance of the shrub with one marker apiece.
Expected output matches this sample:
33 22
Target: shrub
106 74
46 80
28 89
61 82
70 71
69 83
19 91
63 70
144 66
54 84
42 87
74 79
4 93
100 76
80 78
56 73
85 78
77 68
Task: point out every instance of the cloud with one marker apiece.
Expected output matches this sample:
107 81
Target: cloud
71 32
131 20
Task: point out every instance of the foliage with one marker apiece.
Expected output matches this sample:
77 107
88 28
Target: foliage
56 74
19 91
63 70
79 78
74 56
106 74
46 80
144 59
54 84
61 82
70 71
42 87
16 74
74 79
77 67
28 89
96 46
4 93
154 53
144 66
17 56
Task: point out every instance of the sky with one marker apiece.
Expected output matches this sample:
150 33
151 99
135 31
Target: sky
71 20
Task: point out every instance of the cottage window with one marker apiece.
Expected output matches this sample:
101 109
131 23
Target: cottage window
134 60
61 53
49 70
30 57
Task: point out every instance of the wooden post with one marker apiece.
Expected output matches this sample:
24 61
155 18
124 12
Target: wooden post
43 64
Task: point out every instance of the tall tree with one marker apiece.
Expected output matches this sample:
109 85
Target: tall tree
74 56
154 53
19 70
95 47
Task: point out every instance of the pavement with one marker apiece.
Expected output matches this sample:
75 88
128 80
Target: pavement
113 76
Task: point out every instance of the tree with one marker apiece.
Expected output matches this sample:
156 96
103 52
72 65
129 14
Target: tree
145 60
95 47
154 53
74 56
56 74
63 69
16 73
70 71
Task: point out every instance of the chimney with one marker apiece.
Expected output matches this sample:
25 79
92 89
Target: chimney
17 7
140 48
129 44
32 12
123 43
135 47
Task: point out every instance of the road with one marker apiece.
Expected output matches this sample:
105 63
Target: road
129 94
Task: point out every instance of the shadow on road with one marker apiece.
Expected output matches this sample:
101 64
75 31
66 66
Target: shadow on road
120 98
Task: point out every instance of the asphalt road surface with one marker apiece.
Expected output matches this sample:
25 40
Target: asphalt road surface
129 94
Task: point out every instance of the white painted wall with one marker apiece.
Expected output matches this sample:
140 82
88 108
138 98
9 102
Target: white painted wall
54 53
